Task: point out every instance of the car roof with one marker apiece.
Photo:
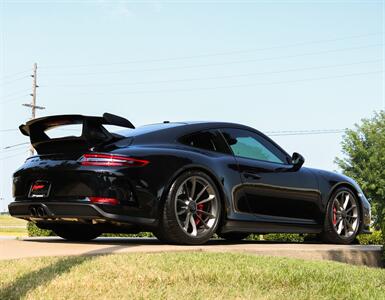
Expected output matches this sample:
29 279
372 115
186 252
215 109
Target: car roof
170 132
178 127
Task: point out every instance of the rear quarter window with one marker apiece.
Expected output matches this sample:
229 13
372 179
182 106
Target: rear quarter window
207 140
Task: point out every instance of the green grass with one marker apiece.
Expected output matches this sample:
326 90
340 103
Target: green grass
7 220
13 232
10 226
186 276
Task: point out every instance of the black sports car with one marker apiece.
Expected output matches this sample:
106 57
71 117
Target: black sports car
182 181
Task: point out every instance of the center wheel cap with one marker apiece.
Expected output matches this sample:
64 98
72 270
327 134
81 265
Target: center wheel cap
192 206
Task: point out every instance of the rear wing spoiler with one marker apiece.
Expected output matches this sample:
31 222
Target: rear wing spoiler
93 132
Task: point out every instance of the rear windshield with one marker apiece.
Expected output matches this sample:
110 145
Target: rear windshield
147 129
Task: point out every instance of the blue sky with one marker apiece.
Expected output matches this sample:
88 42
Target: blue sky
273 65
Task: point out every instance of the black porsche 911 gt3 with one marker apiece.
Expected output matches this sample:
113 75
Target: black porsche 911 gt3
182 181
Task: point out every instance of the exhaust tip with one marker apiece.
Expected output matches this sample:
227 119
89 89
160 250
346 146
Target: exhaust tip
40 212
37 211
32 212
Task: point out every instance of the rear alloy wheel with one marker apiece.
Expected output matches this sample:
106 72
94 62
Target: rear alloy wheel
342 220
192 209
76 232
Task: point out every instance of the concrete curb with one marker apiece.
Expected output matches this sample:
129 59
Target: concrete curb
35 247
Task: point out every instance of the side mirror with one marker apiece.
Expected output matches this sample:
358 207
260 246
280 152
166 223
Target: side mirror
297 161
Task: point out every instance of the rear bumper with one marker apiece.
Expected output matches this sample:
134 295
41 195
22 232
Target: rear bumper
64 211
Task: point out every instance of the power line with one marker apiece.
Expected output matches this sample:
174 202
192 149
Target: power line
16 145
14 74
218 64
100 84
213 54
304 132
14 93
206 1
12 150
15 98
238 85
8 130
270 133
4 82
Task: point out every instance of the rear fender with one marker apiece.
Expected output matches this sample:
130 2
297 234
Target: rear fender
195 167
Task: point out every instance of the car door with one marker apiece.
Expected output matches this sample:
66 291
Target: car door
271 189
221 161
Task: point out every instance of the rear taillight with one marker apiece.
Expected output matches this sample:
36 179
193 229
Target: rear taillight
111 160
104 200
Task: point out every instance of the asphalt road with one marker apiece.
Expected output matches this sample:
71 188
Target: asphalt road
52 246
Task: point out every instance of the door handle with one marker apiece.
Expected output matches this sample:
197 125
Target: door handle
251 175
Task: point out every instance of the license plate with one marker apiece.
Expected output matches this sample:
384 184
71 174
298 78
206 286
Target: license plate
39 189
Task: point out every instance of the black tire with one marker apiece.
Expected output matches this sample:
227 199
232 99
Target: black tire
234 236
330 233
170 228
76 232
161 236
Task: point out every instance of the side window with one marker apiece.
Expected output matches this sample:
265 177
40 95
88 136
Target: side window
248 144
207 140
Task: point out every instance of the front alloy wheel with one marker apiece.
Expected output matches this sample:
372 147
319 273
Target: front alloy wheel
192 210
342 220
345 214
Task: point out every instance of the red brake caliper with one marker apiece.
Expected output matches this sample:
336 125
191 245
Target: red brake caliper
199 207
334 215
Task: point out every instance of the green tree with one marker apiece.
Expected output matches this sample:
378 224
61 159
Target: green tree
364 161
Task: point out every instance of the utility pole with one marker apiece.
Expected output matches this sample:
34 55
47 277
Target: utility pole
33 105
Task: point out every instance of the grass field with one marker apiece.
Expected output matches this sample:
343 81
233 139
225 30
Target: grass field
186 276
12 226
7 220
